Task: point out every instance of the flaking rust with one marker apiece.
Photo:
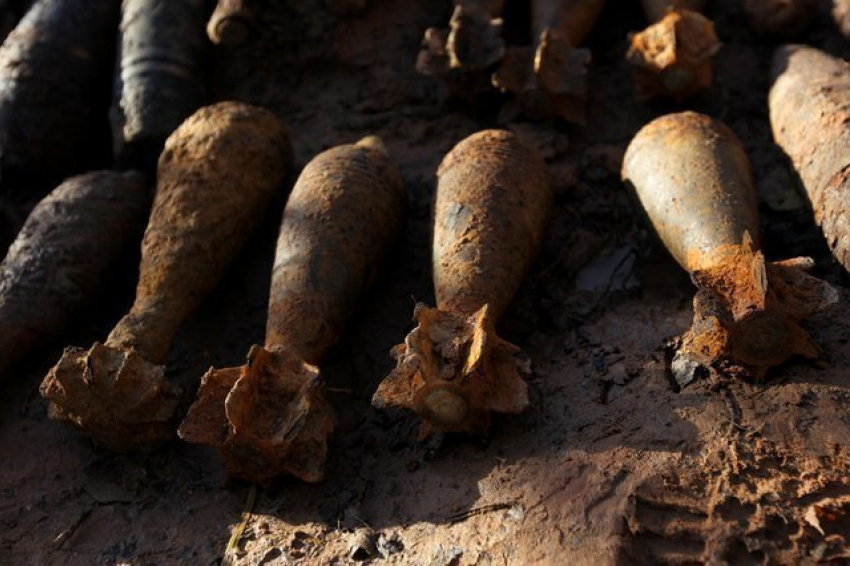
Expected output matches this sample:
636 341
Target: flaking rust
673 56
232 22
809 116
160 78
550 77
51 66
465 53
493 198
270 416
693 178
63 255
781 18
216 176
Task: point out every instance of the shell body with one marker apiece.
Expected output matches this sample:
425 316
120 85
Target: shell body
270 416
51 66
218 172
159 81
63 254
693 179
494 196
809 115
343 215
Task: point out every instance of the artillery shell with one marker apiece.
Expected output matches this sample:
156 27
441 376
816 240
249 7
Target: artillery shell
699 197
550 78
781 18
270 416
216 175
232 22
160 81
673 56
59 262
322 269
693 179
493 199
808 116
50 68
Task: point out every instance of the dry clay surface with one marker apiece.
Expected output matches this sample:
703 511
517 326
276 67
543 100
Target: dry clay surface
610 465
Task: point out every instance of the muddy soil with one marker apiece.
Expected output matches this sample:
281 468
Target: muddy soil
611 464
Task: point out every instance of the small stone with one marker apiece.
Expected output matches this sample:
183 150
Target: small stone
388 546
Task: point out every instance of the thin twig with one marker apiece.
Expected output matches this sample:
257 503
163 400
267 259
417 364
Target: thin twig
464 515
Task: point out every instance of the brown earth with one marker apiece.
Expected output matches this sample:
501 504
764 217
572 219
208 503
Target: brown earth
610 465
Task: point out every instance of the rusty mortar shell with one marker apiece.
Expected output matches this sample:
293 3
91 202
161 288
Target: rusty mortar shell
63 256
51 66
493 199
270 416
217 174
160 80
808 115
693 179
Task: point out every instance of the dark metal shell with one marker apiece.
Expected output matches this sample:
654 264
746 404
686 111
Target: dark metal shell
159 81
69 244
50 67
693 178
343 216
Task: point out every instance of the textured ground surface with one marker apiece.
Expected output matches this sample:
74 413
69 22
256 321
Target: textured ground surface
610 466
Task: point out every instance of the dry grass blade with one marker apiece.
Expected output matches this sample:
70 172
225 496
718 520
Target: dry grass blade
227 559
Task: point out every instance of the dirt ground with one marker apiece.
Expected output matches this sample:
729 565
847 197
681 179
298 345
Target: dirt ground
610 466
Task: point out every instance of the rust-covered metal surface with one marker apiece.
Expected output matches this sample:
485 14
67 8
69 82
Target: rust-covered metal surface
159 79
270 417
493 201
693 179
809 113
612 464
672 57
53 71
64 256
217 174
